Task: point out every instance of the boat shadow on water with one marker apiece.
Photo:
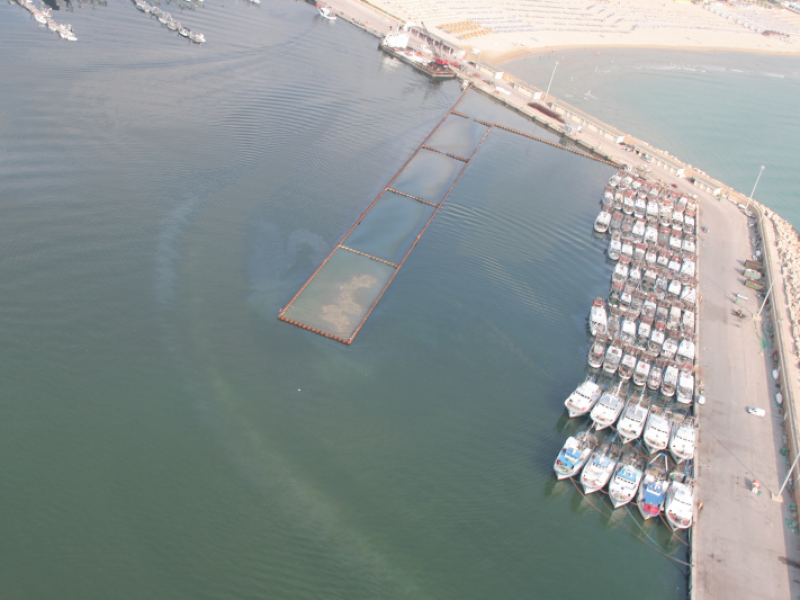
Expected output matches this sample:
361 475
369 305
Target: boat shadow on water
567 427
557 489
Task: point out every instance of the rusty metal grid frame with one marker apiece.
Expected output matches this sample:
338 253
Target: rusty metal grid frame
388 187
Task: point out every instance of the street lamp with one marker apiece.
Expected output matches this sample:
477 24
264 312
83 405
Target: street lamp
551 82
750 199
779 496
769 291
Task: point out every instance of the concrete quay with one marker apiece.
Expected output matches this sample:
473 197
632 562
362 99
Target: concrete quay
740 544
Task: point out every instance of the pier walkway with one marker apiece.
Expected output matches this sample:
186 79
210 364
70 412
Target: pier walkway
741 546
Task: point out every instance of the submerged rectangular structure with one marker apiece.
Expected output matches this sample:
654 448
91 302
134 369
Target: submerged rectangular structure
338 298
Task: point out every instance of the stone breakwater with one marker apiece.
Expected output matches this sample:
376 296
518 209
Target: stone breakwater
787 242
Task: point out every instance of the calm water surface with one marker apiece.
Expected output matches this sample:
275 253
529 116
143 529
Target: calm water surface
725 113
165 436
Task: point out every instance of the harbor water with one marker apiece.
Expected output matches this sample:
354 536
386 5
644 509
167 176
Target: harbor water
724 113
165 436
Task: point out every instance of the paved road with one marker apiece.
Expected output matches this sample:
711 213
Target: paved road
740 541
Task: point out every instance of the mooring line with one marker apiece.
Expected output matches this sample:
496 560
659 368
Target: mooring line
650 543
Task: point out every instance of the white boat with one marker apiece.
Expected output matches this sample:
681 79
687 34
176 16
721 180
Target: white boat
620 272
689 295
598 318
600 467
681 443
670 383
656 377
627 202
669 348
627 334
686 387
639 227
652 211
645 329
612 359
689 268
597 353
607 409
40 17
627 365
635 275
574 454
679 505
197 38
65 31
615 246
634 416
625 182
583 399
325 12
657 428
627 249
602 221
674 289
640 206
657 338
627 477
686 350
642 371
653 491
687 323
184 31
615 179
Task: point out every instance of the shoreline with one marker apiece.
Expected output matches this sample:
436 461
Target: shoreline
521 53
498 31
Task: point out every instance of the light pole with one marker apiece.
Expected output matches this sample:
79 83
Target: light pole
769 291
477 53
779 496
750 199
551 82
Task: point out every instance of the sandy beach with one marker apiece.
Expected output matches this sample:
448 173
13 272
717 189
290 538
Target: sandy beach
501 30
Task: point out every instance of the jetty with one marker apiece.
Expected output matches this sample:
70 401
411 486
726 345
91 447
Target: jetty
744 539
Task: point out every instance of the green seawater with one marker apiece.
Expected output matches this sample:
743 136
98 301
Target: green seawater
163 435
725 113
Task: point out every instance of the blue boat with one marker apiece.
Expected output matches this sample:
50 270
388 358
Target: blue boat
574 454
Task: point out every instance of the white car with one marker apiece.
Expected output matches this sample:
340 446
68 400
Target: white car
759 412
